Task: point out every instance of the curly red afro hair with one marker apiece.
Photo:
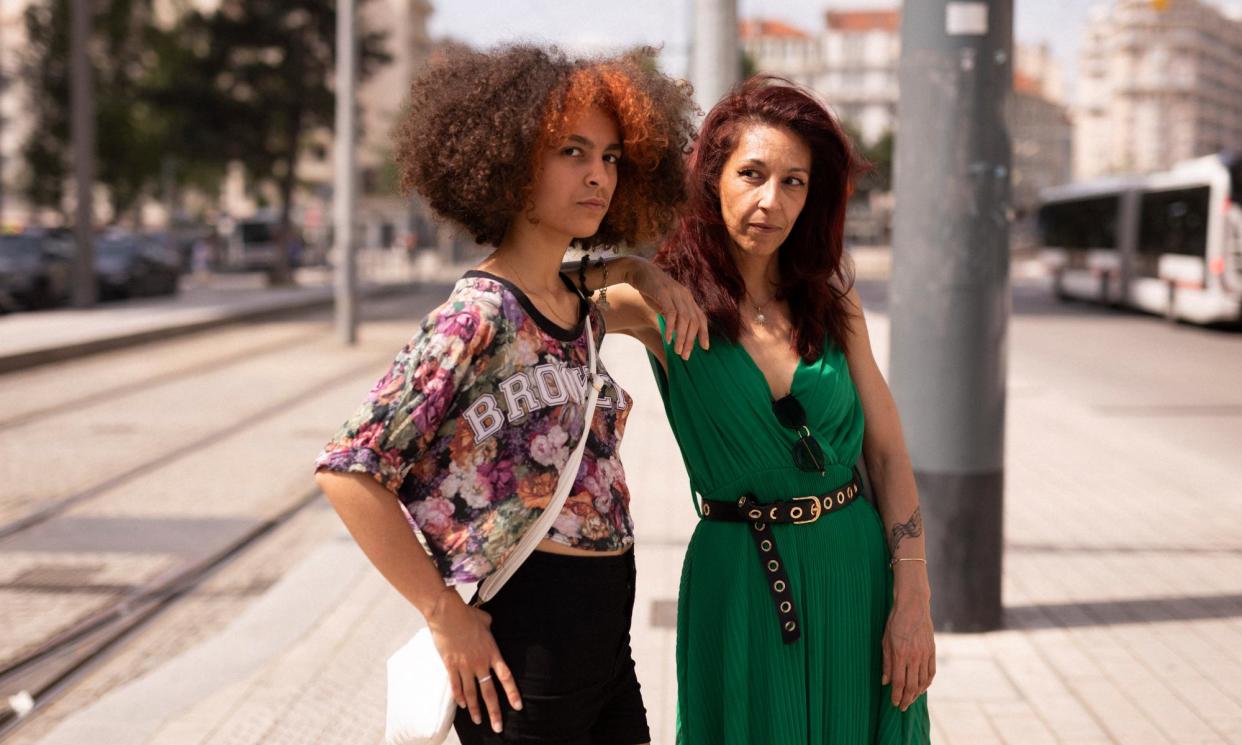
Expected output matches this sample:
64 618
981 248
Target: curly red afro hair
477 122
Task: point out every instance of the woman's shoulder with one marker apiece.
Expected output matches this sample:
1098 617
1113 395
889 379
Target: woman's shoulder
475 296
467 321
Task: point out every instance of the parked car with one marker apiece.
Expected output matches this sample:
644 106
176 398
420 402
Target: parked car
134 266
35 271
254 245
182 239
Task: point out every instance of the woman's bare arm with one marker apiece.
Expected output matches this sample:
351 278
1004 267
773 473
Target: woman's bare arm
884 446
374 518
909 646
638 293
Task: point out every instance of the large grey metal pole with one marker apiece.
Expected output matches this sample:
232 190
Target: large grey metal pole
949 296
82 131
343 194
715 65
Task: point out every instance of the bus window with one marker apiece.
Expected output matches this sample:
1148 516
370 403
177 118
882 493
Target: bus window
1172 222
1080 224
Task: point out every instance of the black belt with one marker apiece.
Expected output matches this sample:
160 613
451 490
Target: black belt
796 511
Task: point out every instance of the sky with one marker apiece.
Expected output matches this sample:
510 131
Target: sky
587 25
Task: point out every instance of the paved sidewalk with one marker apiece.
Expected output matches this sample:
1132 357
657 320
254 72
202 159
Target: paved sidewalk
29 339
1123 587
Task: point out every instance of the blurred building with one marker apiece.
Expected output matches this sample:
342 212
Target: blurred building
852 62
1157 86
861 50
1036 63
774 45
1040 129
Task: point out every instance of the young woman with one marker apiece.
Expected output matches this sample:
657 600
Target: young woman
468 429
796 622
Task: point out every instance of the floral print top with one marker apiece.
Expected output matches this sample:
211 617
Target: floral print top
473 421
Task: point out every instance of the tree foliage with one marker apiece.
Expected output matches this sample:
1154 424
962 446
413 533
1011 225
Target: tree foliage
246 82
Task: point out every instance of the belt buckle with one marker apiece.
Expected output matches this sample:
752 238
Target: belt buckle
815 509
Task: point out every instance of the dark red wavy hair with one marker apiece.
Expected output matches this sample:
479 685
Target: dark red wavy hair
814 276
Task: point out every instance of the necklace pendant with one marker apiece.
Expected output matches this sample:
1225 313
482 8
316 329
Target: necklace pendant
760 318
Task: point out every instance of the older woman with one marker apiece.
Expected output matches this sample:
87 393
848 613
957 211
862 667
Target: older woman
796 622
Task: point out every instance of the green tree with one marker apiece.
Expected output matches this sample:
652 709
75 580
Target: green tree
246 81
879 157
268 67
130 132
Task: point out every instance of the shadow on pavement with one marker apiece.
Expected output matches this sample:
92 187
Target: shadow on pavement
1109 612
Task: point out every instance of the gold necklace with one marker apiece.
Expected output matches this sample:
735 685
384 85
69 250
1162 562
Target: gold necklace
760 317
524 285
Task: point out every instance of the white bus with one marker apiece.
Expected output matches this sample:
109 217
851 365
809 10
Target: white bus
1168 243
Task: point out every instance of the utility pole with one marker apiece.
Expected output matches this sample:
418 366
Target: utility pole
715 66
82 130
343 197
949 295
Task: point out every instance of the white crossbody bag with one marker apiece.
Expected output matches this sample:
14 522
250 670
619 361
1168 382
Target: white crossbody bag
420 698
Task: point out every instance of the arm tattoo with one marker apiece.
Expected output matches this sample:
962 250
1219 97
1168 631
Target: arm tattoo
912 528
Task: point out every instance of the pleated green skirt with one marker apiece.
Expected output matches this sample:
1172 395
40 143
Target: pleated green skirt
739 684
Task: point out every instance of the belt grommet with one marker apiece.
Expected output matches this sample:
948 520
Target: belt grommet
796 513
755 514
741 501
707 509
766 545
760 527
790 626
786 606
779 585
773 565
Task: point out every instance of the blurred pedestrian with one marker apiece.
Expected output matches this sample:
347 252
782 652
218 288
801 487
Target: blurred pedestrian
201 251
529 151
796 622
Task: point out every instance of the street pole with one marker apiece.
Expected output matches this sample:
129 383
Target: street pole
82 130
344 189
949 293
715 65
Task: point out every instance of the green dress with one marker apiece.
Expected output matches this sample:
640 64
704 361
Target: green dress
738 683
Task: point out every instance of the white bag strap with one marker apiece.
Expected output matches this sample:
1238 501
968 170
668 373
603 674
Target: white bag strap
569 473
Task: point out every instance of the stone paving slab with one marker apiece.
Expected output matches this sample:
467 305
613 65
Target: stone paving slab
1123 586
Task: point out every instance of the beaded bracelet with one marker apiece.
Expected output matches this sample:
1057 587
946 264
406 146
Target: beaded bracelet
603 291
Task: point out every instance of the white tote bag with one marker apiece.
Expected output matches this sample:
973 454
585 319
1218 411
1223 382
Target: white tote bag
420 698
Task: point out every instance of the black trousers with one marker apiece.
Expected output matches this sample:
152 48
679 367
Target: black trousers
562 624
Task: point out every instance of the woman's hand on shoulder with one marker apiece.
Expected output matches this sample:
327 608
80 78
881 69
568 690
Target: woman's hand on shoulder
656 294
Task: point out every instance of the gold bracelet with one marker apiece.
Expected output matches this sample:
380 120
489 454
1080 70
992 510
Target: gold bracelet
892 564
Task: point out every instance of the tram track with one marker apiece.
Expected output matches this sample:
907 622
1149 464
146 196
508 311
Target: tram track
44 672
40 676
171 376
171 455
52 664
